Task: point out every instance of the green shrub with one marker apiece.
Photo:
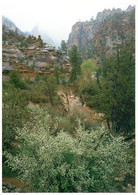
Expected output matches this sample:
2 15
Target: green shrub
87 68
14 113
36 96
15 79
89 162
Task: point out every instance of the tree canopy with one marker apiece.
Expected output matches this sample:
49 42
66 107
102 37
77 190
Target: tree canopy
63 46
76 61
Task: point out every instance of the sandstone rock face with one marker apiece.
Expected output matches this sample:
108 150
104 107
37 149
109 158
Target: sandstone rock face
12 52
30 54
10 55
32 59
83 33
120 28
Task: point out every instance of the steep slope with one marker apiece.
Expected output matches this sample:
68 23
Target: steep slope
83 32
121 28
9 25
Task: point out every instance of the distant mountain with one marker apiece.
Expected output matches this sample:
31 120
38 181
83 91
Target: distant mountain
83 32
26 33
9 25
36 31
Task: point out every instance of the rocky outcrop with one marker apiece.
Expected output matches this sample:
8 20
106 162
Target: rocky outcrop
10 56
33 58
83 32
11 51
70 101
121 28
101 16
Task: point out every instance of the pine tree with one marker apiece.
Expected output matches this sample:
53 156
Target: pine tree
117 97
76 61
63 46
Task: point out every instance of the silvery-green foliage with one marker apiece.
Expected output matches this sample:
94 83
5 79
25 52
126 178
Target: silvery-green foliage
89 162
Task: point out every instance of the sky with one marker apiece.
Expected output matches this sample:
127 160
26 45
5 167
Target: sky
56 17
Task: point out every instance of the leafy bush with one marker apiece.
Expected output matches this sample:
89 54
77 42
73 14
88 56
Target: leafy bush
14 113
15 79
36 96
88 91
87 68
89 162
49 87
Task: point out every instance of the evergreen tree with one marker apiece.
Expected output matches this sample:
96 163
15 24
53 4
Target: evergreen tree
117 96
113 90
49 87
14 113
29 39
15 79
63 46
76 61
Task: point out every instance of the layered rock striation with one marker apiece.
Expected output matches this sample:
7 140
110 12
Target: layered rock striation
35 57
